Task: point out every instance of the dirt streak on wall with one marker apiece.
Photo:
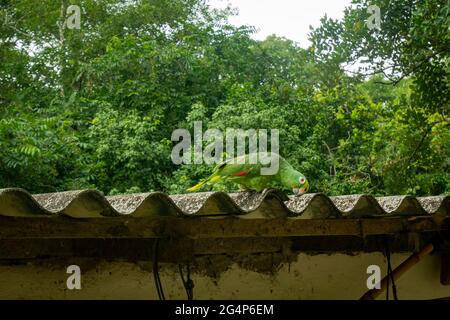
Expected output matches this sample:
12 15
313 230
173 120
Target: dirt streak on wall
265 276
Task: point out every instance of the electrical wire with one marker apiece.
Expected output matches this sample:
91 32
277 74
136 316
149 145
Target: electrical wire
188 283
390 274
156 276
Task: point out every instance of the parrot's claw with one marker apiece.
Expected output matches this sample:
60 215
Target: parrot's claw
248 191
245 189
266 190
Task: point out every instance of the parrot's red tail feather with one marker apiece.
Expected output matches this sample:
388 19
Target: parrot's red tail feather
240 174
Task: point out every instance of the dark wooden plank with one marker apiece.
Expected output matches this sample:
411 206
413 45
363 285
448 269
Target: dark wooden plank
170 250
185 250
197 228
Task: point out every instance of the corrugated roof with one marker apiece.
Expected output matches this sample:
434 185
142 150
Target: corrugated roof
91 203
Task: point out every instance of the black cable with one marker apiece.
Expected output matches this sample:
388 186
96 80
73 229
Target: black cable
394 287
155 267
188 283
388 258
389 270
390 274
156 277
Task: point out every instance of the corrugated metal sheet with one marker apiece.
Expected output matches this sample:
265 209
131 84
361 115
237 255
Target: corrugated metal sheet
91 203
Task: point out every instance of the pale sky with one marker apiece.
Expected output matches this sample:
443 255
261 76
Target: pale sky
286 18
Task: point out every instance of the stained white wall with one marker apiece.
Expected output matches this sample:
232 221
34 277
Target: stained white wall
336 276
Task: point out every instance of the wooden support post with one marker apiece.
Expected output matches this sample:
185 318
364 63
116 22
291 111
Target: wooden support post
399 271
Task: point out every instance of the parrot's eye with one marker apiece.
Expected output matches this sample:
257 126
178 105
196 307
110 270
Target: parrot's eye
302 180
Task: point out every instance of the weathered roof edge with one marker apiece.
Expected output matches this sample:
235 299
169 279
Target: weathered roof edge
273 203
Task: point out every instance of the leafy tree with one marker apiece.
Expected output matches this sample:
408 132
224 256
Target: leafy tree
360 111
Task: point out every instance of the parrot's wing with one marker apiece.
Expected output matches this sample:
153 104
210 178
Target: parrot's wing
232 169
238 168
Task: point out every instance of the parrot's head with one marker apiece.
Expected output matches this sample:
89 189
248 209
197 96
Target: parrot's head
300 184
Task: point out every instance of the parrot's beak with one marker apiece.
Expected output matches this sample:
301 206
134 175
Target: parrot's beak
302 190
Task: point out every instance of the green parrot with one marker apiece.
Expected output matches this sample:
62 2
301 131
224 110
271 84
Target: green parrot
249 175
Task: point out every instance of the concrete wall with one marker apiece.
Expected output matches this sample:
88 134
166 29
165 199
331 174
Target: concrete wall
336 276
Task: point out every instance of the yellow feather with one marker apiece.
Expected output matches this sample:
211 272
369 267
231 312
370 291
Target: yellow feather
215 179
196 187
203 182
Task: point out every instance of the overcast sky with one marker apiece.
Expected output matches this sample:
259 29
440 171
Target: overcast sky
287 18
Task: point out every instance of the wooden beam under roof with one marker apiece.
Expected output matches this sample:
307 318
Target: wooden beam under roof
204 227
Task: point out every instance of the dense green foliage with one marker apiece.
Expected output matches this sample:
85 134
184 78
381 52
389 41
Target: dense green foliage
95 107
